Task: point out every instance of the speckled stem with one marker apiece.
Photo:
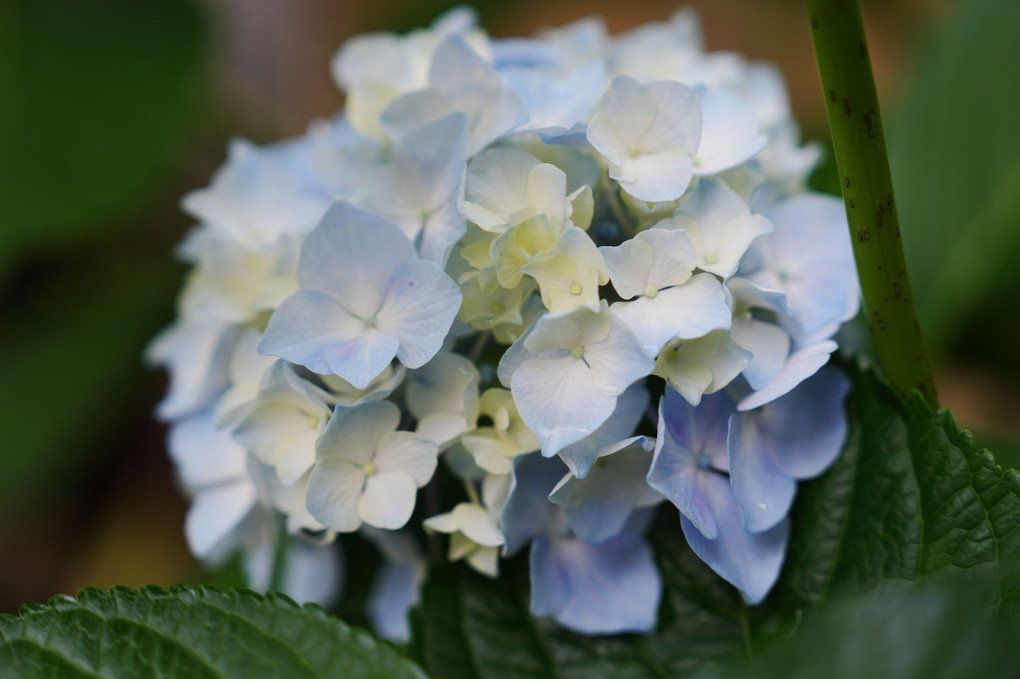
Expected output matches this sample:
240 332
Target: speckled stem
837 29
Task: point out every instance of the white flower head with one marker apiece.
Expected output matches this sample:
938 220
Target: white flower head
649 134
366 471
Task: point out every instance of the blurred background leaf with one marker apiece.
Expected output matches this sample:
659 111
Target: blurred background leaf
955 154
892 633
98 98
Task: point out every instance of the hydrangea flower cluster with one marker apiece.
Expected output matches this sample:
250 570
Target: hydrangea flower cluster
580 272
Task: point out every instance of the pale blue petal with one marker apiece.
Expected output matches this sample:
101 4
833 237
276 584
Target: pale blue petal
689 439
610 588
472 85
617 361
420 305
809 258
749 561
436 155
393 594
763 491
310 328
729 132
630 408
557 399
550 577
528 511
215 513
598 506
805 430
798 366
204 454
769 346
342 256
441 231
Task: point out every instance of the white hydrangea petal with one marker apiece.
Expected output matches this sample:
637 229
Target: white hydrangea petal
334 491
800 365
674 260
679 121
560 99
388 500
690 310
496 186
769 346
408 452
472 85
720 225
312 329
204 454
485 560
730 132
356 433
341 256
282 437
617 361
660 176
703 365
649 135
629 264
410 111
436 155
441 232
583 326
420 305
470 519
195 355
516 354
569 274
558 400
547 192
214 513
448 383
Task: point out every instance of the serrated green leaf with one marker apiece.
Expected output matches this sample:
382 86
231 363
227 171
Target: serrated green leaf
189 632
911 500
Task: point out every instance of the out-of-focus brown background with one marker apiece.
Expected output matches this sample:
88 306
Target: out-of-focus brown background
111 109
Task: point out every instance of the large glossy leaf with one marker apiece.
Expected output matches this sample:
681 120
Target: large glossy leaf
910 501
187 632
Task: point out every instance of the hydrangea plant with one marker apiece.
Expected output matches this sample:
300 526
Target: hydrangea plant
536 296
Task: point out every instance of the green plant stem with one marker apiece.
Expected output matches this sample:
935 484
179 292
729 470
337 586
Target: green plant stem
279 572
837 29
